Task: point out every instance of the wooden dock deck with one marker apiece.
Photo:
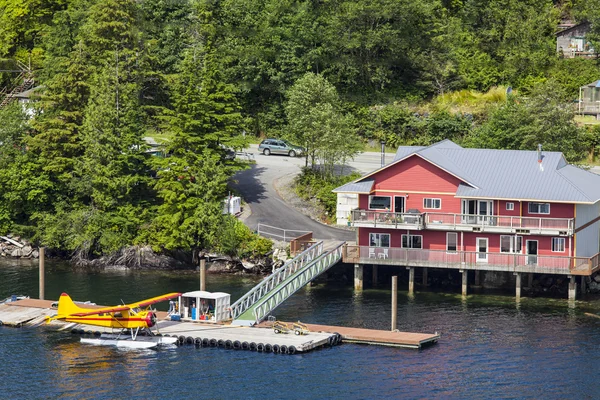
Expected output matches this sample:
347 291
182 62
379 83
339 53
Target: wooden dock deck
33 312
373 336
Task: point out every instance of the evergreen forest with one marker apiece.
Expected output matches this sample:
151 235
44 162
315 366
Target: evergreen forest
205 76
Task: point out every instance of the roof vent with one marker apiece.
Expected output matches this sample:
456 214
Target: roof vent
540 156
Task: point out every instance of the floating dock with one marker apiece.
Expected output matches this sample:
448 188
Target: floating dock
33 312
373 336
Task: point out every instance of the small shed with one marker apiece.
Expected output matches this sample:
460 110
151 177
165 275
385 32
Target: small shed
589 98
232 205
204 306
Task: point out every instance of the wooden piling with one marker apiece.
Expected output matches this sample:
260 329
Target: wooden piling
411 280
202 274
518 285
42 273
394 301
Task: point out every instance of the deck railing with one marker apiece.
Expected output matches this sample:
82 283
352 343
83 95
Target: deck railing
386 219
471 260
434 220
489 222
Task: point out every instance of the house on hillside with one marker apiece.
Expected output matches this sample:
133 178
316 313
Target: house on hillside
444 206
571 41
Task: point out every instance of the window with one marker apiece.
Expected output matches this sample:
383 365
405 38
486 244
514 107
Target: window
558 245
380 202
379 239
510 206
435 204
451 241
539 208
511 244
412 241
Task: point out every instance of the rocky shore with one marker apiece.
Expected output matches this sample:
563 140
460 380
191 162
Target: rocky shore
13 246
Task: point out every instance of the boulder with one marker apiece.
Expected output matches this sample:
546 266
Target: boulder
597 278
26 251
16 253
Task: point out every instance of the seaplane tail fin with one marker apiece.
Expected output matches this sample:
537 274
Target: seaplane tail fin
66 307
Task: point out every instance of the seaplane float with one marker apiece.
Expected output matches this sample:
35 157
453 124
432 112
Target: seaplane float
133 322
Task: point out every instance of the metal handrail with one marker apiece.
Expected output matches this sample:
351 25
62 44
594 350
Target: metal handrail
278 276
304 276
282 233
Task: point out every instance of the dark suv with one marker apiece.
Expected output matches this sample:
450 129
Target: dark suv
279 146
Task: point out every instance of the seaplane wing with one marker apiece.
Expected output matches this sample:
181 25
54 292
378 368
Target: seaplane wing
105 310
154 300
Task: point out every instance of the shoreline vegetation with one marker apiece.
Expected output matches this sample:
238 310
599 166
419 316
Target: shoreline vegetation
78 176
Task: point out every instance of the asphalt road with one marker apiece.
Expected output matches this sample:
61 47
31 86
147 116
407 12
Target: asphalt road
256 186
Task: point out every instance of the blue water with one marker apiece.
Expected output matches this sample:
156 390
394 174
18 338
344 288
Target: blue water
491 347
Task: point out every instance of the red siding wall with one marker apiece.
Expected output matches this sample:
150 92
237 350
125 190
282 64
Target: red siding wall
500 208
557 210
415 174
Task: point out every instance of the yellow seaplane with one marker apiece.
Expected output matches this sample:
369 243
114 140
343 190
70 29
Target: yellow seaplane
129 319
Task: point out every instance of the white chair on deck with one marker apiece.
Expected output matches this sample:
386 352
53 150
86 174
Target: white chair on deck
384 254
372 252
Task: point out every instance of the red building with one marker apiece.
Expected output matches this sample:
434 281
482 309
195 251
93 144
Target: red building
445 206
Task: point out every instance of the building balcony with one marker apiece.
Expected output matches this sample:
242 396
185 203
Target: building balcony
463 222
462 260
372 219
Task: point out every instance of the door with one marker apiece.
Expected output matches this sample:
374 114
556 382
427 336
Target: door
469 207
532 251
279 147
482 249
399 204
483 212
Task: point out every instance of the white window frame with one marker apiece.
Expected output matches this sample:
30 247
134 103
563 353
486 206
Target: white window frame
377 239
433 200
558 240
389 197
448 242
510 206
513 244
538 208
409 241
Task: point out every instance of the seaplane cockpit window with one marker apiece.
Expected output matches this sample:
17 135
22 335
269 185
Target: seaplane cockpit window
135 310
118 315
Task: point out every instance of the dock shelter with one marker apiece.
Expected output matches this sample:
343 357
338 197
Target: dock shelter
205 306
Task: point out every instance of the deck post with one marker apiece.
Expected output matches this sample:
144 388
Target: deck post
583 284
424 276
465 275
42 261
358 277
530 280
202 274
394 301
411 279
518 285
374 274
477 279
572 288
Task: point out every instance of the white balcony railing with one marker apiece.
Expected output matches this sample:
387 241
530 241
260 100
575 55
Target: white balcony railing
489 223
501 223
471 260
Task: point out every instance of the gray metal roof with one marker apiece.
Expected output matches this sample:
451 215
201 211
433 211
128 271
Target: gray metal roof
507 174
356 187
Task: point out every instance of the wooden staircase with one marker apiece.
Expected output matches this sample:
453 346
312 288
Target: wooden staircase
23 82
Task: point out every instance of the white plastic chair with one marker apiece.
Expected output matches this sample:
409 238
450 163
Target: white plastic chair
372 252
384 253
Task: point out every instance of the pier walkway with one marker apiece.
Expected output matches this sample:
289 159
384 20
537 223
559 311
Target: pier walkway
373 336
261 300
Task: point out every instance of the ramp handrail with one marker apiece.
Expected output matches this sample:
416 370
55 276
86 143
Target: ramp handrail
311 271
271 282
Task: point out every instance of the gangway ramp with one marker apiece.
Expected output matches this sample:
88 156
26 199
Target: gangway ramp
255 305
